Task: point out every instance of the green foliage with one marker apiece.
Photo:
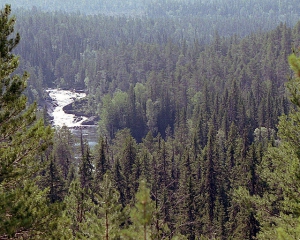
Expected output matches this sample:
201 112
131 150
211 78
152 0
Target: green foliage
144 72
114 114
141 215
109 208
101 160
74 222
63 149
86 167
294 82
210 112
54 181
125 152
24 212
95 215
277 209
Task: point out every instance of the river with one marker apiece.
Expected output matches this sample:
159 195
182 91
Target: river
60 98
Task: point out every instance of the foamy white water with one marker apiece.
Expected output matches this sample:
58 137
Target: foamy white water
62 98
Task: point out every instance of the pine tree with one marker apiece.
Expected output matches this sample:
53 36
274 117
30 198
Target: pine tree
78 220
108 208
141 215
22 205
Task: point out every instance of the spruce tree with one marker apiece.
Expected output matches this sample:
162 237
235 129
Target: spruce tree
210 184
54 181
278 208
22 205
63 149
187 196
86 167
101 161
125 148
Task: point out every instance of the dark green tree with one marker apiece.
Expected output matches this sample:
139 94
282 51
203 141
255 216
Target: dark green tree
187 199
276 207
86 167
101 160
63 149
125 149
55 182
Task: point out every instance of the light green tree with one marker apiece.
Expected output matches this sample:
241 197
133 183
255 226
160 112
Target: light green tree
86 217
108 209
75 221
141 215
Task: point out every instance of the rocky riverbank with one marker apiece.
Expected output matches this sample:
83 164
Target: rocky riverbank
77 108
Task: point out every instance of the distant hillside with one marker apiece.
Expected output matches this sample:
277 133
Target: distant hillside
83 6
191 16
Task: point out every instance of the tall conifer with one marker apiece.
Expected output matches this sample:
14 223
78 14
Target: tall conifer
22 136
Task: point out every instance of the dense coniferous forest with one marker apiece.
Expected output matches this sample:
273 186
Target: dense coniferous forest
198 104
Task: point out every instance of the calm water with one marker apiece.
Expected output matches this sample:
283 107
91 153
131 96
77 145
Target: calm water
88 133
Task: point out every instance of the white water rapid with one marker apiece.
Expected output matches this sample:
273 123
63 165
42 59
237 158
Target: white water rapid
61 98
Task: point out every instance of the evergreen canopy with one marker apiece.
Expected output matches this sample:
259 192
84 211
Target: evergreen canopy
22 137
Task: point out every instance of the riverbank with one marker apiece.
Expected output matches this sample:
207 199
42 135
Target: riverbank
78 108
